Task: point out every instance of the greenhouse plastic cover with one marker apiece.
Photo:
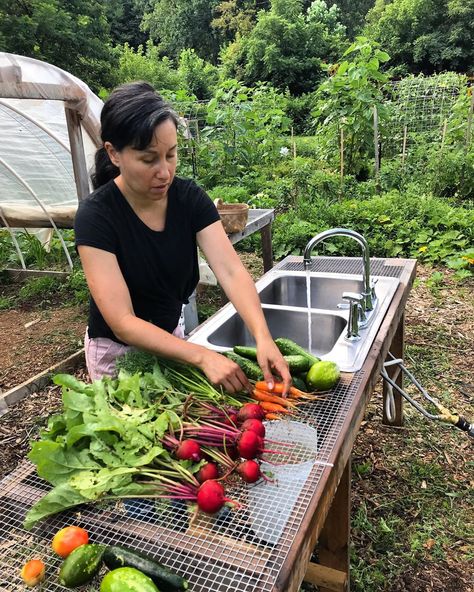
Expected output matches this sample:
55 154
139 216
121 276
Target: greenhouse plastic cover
36 168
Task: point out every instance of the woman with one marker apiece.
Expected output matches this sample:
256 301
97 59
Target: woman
137 237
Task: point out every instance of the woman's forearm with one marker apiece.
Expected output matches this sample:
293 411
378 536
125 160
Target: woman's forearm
144 335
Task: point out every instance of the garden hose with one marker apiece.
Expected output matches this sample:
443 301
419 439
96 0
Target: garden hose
444 415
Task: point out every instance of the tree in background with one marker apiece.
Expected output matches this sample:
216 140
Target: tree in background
286 46
145 63
236 17
353 14
71 34
425 35
175 25
125 17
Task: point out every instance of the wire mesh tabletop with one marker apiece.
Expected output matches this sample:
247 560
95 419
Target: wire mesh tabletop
240 549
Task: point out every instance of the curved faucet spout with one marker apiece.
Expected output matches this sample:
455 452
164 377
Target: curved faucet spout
368 293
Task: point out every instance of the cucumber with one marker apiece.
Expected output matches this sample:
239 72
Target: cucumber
246 351
290 348
164 578
81 565
297 363
299 383
127 579
250 368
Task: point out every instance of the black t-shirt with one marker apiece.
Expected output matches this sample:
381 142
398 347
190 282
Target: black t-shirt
160 268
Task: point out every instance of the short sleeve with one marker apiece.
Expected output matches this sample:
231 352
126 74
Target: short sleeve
205 212
93 228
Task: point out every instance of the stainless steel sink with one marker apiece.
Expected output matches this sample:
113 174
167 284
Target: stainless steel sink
284 322
284 300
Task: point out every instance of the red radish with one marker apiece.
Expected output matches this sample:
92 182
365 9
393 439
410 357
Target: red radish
250 445
211 497
231 419
189 450
206 472
254 425
249 470
250 411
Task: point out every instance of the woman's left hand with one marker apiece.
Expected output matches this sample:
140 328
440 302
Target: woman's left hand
272 363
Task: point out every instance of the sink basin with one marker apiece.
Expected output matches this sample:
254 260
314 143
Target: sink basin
325 292
284 301
284 322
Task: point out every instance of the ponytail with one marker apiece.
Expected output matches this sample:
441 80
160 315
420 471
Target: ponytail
105 170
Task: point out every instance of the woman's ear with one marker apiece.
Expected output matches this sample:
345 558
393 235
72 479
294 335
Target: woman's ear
112 153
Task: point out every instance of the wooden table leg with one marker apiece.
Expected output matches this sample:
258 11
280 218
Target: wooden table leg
333 544
267 251
397 349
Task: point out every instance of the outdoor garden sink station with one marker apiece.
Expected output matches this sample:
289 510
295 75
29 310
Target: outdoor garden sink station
266 545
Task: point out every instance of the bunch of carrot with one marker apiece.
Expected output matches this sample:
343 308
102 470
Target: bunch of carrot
277 405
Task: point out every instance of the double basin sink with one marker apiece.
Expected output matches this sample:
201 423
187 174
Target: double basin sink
284 298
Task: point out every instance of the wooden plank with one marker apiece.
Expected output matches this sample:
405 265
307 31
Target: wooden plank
294 568
40 380
16 275
326 578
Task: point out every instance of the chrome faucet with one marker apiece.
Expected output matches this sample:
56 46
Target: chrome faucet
368 295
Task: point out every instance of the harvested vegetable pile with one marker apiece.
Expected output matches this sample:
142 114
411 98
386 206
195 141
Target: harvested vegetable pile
163 433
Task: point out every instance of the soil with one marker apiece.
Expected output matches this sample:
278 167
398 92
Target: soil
439 318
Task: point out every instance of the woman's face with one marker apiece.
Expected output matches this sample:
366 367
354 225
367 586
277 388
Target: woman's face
147 174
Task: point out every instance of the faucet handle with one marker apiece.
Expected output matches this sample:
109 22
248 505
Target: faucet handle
355 314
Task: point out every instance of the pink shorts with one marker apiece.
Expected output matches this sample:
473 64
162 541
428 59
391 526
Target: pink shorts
102 352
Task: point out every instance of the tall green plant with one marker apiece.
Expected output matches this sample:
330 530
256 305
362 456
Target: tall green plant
243 129
346 102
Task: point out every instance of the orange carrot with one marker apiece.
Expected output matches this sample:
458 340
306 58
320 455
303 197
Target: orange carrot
272 416
278 387
274 407
270 398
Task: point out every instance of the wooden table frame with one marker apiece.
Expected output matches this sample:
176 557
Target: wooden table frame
327 520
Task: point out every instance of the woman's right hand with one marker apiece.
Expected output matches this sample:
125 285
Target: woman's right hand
224 372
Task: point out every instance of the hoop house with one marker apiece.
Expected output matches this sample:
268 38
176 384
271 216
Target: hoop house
49 131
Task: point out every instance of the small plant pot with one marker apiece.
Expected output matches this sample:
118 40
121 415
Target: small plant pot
234 216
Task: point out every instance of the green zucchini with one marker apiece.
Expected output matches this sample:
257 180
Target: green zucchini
290 348
250 368
81 565
166 579
127 579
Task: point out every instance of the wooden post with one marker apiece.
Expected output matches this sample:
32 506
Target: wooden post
293 143
404 147
342 155
443 134
267 251
333 544
376 145
79 164
469 122
397 349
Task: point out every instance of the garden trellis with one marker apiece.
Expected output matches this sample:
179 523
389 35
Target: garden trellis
49 130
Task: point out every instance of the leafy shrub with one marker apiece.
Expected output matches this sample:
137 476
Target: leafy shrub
39 290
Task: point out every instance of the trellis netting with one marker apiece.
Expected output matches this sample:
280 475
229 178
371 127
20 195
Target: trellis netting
49 131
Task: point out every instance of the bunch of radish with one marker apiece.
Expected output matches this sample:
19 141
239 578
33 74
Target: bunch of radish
223 443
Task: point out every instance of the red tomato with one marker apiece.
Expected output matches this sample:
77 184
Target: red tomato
67 539
32 572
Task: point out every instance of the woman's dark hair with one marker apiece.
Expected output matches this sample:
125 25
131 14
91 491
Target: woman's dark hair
128 118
